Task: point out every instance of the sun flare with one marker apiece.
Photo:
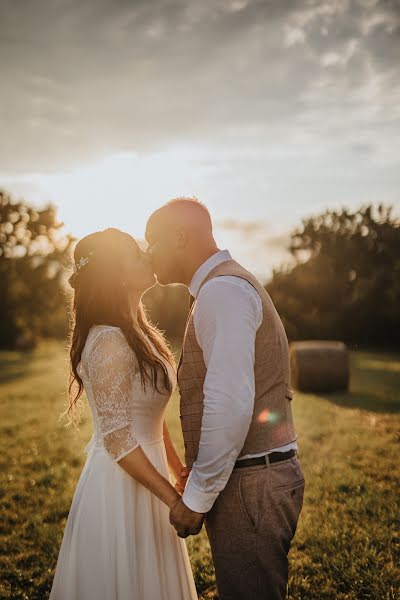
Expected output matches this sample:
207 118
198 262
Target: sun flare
120 190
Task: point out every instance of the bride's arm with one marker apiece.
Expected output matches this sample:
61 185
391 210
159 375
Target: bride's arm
140 468
112 369
177 467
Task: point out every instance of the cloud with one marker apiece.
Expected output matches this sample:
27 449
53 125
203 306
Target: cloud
263 110
262 245
244 228
88 78
279 242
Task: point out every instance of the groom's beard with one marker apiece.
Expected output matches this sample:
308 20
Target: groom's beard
168 275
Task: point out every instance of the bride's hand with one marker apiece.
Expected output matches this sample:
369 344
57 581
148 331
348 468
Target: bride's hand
181 479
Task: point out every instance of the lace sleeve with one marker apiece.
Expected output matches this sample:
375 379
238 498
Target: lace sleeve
111 366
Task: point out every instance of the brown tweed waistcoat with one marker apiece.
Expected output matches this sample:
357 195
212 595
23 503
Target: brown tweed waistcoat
272 421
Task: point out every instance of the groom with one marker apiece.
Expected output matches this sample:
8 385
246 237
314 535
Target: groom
234 379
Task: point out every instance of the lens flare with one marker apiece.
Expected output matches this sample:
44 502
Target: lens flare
268 416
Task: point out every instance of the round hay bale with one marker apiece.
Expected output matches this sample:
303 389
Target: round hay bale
319 366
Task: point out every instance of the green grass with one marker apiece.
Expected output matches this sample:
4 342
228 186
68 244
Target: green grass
347 544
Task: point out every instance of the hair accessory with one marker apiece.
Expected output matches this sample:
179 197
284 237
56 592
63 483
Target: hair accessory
82 262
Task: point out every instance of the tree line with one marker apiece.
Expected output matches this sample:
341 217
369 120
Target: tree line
343 280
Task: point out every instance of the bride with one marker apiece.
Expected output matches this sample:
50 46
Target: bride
118 543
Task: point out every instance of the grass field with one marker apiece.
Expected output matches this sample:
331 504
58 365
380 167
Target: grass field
348 540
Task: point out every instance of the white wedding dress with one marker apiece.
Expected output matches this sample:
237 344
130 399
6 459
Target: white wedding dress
118 543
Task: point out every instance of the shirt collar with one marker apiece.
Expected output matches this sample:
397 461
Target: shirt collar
206 268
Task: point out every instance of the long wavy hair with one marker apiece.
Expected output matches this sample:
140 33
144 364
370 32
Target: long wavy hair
101 297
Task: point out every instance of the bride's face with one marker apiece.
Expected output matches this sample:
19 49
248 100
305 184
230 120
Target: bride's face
164 258
139 269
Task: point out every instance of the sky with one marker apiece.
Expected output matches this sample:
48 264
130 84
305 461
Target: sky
267 111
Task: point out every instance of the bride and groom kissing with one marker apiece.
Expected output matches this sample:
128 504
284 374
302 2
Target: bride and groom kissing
242 478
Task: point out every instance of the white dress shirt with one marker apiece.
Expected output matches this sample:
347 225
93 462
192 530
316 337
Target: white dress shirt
227 315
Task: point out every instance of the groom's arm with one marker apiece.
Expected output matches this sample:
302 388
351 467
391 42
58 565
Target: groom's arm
227 315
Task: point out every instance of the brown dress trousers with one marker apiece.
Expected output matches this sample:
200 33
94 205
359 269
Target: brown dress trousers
250 528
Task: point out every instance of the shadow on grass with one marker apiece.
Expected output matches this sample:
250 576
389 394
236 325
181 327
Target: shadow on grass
363 401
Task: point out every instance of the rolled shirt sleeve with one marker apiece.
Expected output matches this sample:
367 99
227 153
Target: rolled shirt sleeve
227 315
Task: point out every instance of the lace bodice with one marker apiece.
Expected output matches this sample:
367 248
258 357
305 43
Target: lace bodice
124 414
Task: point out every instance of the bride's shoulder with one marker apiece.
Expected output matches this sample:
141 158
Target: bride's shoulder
105 331
105 339
104 346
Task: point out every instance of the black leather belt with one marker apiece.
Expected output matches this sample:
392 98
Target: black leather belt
262 460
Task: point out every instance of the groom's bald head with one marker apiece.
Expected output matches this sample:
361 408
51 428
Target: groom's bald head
187 213
179 234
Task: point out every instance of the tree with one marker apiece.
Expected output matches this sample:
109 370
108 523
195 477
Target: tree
345 281
33 254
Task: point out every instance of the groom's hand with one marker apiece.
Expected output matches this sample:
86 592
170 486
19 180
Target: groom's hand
186 521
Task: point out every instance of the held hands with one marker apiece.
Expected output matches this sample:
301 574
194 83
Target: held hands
186 521
181 479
